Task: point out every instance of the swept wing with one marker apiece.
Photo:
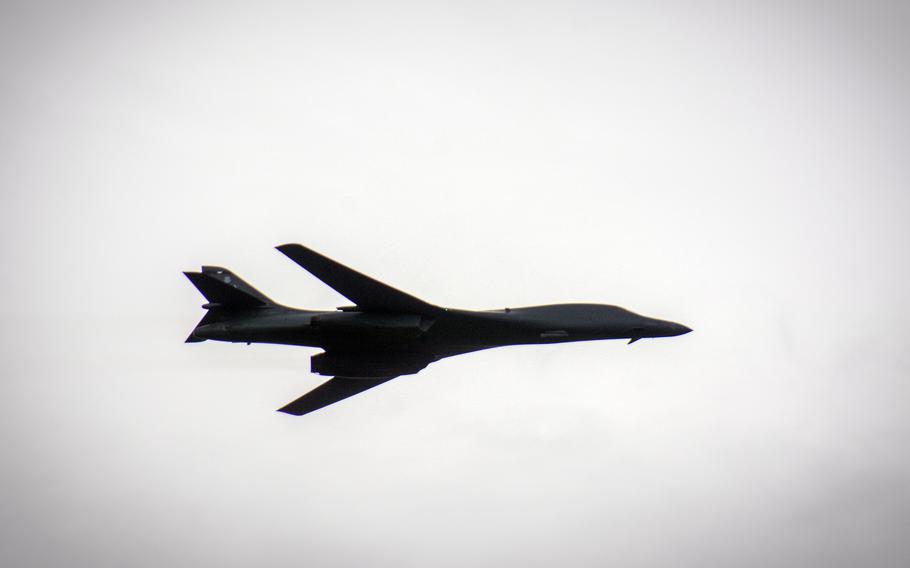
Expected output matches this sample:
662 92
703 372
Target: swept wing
368 293
331 391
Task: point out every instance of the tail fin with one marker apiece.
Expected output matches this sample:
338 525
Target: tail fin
224 289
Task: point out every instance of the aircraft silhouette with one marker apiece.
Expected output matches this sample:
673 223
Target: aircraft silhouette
389 333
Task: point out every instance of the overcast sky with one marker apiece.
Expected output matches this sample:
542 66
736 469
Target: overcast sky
738 167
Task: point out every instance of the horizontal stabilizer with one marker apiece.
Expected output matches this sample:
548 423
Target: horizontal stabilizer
193 339
330 392
369 294
211 316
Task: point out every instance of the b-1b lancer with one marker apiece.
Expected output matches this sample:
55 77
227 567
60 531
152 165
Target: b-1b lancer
388 333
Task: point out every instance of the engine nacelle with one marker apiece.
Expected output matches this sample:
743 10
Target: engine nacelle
368 366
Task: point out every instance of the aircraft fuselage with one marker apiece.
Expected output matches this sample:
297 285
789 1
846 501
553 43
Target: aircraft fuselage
389 333
446 333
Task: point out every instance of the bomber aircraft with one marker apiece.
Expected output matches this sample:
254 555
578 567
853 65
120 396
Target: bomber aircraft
388 333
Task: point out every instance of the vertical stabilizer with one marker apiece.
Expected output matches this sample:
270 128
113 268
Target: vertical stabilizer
226 292
224 289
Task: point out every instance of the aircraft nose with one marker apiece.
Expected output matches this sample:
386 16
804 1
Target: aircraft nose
679 329
663 328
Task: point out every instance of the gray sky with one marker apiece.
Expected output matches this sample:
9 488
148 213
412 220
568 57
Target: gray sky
738 167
